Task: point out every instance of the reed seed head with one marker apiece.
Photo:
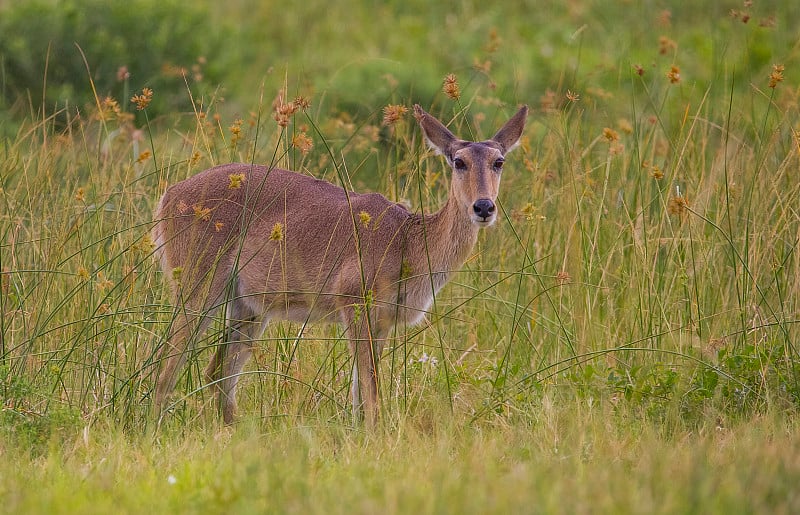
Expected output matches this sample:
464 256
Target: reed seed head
236 180
674 74
302 142
201 213
277 232
776 76
610 134
393 113
450 87
143 100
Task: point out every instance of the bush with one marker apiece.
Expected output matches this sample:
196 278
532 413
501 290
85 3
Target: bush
156 41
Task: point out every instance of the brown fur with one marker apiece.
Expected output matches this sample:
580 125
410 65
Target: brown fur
283 245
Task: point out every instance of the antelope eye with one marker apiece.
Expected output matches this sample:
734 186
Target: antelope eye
459 164
498 164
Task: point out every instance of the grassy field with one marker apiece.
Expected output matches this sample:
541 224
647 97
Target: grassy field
623 340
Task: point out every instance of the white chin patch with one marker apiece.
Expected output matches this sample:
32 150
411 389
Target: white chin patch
481 222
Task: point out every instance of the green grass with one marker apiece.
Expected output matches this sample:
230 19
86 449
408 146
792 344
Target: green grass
578 459
624 340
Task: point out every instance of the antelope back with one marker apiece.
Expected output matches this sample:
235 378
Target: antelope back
282 238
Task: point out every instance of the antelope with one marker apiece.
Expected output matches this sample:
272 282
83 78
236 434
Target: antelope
265 244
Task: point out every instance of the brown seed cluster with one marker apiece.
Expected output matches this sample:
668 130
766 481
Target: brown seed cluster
236 181
283 111
665 45
110 109
365 218
201 213
236 131
302 142
674 74
144 156
450 87
393 113
610 134
776 76
143 100
677 205
277 232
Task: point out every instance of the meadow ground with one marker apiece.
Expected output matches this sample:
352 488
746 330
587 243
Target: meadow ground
624 340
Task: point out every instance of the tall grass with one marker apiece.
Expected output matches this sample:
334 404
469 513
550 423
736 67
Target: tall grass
654 259
624 339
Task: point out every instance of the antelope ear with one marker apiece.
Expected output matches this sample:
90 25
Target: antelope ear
438 137
508 136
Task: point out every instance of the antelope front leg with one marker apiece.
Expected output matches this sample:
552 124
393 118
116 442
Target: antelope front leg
365 346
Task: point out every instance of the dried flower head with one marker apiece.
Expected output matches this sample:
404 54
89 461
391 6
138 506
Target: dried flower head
236 131
610 134
450 87
143 100
776 76
201 213
365 218
144 156
218 226
666 44
109 108
563 277
80 194
657 173
83 273
638 69
283 111
494 41
677 205
236 180
674 74
302 102
302 142
277 232
572 96
393 113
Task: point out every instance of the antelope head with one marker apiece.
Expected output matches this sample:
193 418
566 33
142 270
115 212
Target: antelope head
476 166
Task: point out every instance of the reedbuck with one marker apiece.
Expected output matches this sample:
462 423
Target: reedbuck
265 243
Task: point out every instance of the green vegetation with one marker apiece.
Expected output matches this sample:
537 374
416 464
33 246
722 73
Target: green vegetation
624 340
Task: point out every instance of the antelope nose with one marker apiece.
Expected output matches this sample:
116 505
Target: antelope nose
484 208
